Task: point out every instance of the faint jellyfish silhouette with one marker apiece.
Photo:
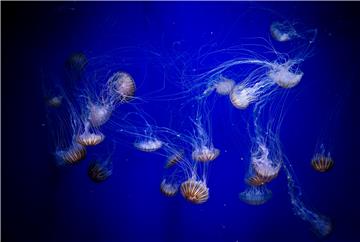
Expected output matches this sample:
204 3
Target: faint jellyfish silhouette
322 162
169 189
255 195
100 171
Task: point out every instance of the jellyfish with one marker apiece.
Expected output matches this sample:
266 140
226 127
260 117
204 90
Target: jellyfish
195 191
224 86
72 155
321 162
255 195
320 224
148 145
168 189
285 76
205 154
76 64
283 31
174 159
121 87
100 171
99 113
54 102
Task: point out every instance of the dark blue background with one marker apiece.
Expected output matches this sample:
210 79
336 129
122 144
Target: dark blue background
42 203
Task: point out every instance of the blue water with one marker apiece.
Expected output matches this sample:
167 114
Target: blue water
41 202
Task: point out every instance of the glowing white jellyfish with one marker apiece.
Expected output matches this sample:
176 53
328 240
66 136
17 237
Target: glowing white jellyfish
99 113
224 86
121 87
263 166
148 145
284 76
283 31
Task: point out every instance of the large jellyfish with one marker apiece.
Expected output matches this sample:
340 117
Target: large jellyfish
283 31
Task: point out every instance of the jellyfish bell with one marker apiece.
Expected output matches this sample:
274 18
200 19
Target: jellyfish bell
283 76
322 163
122 85
264 168
174 159
168 189
72 155
282 32
242 96
99 172
205 154
54 102
99 114
195 191
148 145
90 139
76 62
255 195
224 86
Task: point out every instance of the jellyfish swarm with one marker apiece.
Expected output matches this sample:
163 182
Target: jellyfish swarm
99 172
74 154
285 75
121 87
255 195
205 154
321 225
148 145
321 162
195 191
168 189
283 31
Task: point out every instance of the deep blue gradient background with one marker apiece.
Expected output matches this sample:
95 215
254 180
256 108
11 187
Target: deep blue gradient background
42 203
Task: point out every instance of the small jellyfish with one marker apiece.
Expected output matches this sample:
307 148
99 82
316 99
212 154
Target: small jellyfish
284 76
54 102
73 155
321 162
168 189
76 62
99 172
264 168
174 159
99 114
195 191
224 86
123 86
90 139
255 195
283 32
241 96
149 145
205 154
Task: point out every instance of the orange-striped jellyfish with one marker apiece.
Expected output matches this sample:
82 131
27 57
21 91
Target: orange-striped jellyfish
322 162
195 190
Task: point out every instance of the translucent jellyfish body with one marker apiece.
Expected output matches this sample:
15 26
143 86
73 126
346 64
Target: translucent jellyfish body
322 163
284 76
255 195
242 96
195 191
205 154
99 172
224 86
148 145
168 189
54 102
99 114
122 86
174 159
265 169
90 139
76 62
73 155
282 31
